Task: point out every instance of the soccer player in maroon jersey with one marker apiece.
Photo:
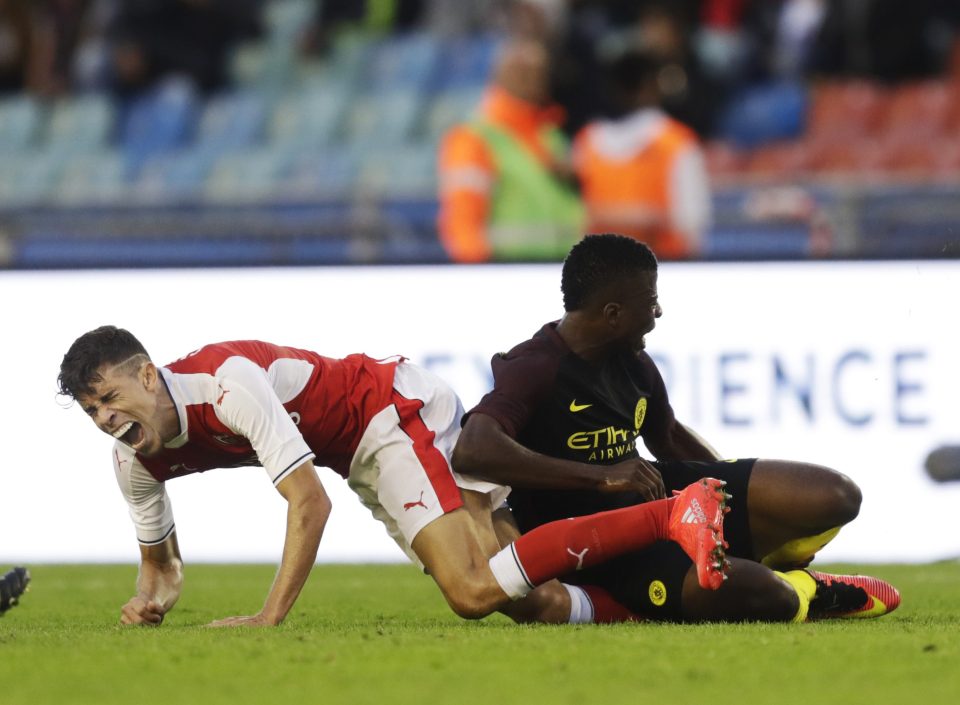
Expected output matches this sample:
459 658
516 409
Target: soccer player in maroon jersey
561 427
387 426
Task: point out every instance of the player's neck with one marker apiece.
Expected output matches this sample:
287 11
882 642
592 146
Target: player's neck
167 409
581 337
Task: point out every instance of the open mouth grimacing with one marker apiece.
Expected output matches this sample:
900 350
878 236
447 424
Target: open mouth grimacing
133 436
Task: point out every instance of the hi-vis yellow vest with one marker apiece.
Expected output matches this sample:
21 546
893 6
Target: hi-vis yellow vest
533 214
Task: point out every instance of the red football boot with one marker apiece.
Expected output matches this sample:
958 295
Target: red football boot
851 596
696 523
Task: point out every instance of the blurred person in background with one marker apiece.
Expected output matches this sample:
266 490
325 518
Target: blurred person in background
644 174
16 44
68 34
332 17
595 30
152 39
506 188
889 40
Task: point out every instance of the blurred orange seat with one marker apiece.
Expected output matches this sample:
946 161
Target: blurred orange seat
781 159
920 159
845 108
920 110
847 156
723 159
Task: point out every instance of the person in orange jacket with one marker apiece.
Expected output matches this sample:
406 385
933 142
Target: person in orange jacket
644 174
506 188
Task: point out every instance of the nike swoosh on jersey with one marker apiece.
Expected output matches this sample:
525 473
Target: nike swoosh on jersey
575 407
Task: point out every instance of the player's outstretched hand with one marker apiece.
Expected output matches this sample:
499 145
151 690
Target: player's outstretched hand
256 620
636 475
140 611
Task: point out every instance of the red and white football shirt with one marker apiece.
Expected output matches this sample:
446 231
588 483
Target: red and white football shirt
254 403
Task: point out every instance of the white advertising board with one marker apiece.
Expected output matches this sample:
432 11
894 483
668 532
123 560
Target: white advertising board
850 365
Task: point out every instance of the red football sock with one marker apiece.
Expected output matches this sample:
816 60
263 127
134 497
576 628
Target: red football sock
560 547
605 609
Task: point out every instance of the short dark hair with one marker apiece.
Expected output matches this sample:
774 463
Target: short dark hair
597 260
633 70
105 345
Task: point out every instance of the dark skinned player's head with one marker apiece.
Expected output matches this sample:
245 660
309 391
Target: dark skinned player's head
599 260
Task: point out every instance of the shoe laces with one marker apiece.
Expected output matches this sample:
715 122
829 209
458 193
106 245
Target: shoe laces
837 596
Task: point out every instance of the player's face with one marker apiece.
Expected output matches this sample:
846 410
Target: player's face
126 405
640 310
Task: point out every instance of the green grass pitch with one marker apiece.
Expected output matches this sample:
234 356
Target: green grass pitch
382 635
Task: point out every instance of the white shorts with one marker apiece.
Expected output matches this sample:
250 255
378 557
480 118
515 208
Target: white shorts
401 470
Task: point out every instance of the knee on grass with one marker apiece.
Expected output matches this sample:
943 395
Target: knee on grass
474 599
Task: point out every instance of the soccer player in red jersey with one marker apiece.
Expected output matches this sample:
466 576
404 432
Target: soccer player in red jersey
387 426
561 427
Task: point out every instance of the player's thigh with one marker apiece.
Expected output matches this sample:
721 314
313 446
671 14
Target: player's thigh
401 469
455 550
505 526
802 494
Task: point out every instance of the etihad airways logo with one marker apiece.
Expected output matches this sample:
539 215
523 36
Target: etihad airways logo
602 437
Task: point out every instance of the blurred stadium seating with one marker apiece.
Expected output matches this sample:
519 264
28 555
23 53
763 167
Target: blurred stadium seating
332 159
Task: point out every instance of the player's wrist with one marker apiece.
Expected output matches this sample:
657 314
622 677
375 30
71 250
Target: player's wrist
270 618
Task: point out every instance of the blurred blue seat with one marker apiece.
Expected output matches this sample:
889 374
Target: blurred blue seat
384 118
248 175
402 172
160 120
93 178
232 120
350 56
403 62
21 120
763 114
80 124
327 174
449 108
309 119
28 178
176 176
467 61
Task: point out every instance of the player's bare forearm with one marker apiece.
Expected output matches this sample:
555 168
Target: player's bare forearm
484 450
308 509
305 523
681 442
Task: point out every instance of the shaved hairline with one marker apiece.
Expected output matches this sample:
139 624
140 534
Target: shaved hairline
126 366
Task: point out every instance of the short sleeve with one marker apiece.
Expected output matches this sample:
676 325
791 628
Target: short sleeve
147 501
249 406
520 383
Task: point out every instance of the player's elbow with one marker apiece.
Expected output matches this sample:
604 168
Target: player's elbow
318 510
309 515
474 448
465 457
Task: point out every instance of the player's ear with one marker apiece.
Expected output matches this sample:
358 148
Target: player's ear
611 313
149 376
